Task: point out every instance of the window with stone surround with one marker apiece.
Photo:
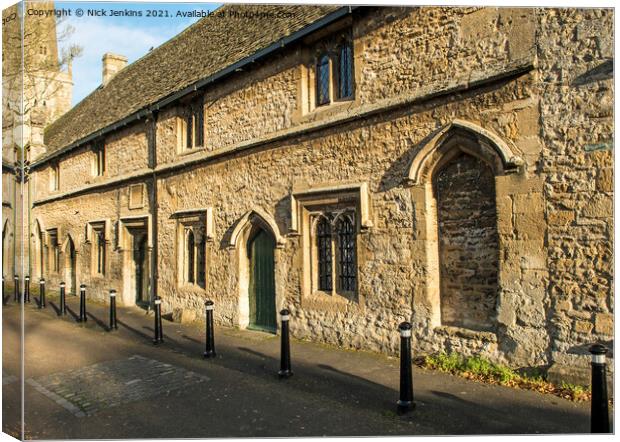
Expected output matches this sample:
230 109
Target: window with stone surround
333 252
190 126
192 249
54 177
98 248
330 220
53 257
99 160
332 73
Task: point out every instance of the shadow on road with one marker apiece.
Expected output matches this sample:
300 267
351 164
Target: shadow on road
134 330
98 321
55 307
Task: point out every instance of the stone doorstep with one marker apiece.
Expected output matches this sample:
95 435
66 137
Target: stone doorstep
559 373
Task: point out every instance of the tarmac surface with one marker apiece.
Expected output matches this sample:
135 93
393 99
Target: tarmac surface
82 382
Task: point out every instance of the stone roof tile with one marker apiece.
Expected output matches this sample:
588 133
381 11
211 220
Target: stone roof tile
205 48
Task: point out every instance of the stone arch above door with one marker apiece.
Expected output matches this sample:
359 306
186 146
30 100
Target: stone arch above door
252 217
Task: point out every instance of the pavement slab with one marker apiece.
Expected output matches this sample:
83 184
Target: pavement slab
119 385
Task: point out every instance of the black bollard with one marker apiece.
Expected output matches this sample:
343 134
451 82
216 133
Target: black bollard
42 293
63 301
285 348
159 334
4 298
27 289
16 294
210 340
405 404
599 410
82 317
113 324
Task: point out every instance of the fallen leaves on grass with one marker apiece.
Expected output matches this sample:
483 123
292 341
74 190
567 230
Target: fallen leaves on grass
479 369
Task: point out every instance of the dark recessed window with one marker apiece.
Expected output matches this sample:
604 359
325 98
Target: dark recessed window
190 257
346 254
99 242
345 71
54 250
99 161
194 125
324 250
322 80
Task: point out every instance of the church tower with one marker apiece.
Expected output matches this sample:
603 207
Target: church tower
36 91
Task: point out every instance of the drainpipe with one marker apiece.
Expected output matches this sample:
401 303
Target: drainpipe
153 209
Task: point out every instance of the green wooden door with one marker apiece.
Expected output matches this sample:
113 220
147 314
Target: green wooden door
262 283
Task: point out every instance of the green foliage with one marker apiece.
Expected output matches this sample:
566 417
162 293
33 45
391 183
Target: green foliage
574 391
478 368
474 365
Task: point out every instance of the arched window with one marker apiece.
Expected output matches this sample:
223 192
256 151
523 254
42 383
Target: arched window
324 251
346 254
190 256
322 80
345 71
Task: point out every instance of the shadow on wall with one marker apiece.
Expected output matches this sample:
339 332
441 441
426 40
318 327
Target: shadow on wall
603 71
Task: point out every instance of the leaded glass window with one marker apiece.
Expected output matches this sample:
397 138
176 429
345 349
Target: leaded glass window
324 250
199 115
189 127
190 256
345 71
322 80
201 262
346 254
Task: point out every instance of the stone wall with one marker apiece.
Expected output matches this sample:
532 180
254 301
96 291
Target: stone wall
468 243
126 151
576 89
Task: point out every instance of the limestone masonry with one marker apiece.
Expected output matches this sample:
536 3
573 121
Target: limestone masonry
360 166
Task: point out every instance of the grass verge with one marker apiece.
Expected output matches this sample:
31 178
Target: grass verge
482 370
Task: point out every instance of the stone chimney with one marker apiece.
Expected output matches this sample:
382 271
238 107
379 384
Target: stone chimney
112 63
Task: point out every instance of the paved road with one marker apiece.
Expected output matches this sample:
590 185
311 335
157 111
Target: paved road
85 382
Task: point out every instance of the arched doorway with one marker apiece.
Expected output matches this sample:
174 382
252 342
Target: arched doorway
255 239
261 290
70 266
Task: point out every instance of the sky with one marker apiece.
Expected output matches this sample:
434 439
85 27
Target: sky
124 35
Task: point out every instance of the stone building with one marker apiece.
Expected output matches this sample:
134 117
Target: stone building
361 166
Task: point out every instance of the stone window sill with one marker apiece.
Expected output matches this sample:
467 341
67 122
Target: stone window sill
189 287
187 152
466 333
337 297
327 110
